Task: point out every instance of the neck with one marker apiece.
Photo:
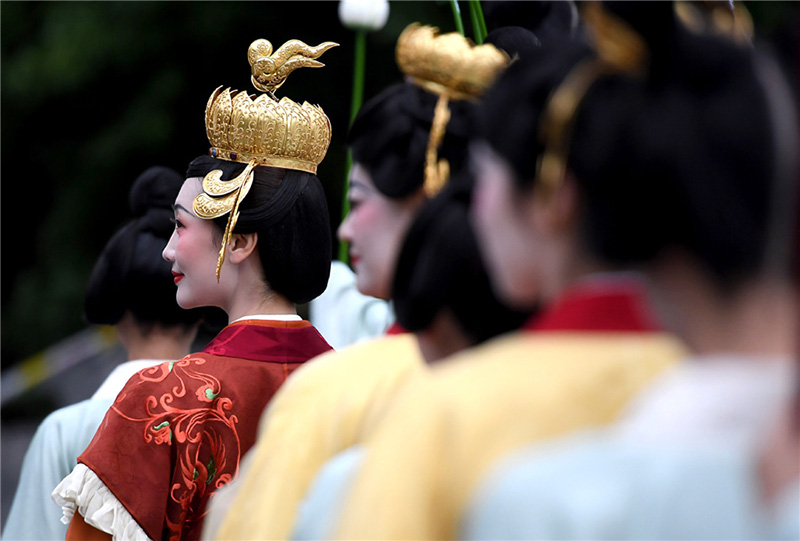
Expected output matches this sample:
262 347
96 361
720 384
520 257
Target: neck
441 339
271 303
756 318
250 294
567 265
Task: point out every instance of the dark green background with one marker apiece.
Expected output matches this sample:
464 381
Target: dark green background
95 92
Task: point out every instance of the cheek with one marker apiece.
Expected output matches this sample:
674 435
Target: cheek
181 246
482 203
498 229
364 226
377 232
490 216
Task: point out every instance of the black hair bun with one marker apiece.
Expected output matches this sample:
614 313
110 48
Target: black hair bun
130 275
156 188
389 137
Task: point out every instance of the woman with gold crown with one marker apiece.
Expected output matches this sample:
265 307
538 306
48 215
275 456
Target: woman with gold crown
251 237
328 405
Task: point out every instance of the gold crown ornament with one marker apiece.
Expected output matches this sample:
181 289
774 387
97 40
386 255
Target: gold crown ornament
261 130
452 67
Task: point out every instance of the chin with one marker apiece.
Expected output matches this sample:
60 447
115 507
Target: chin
371 289
186 302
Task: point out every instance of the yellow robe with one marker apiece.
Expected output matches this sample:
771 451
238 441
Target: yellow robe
321 410
442 432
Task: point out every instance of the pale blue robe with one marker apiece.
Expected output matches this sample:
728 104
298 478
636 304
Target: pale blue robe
53 453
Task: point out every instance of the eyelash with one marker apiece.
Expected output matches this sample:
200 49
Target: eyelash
176 222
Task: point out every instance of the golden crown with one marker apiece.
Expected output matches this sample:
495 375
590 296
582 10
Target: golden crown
261 130
448 64
452 67
244 128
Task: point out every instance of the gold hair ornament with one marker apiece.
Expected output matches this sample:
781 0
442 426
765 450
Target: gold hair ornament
261 130
619 50
453 68
721 18
220 197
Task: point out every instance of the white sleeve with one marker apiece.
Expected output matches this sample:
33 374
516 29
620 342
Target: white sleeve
83 491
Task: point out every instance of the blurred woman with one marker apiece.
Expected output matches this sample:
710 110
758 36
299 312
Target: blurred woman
713 194
560 220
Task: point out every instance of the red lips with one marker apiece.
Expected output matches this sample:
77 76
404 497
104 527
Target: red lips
178 277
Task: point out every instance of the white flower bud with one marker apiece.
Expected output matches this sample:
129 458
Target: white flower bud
364 14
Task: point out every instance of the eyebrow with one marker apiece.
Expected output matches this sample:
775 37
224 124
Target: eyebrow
177 206
359 185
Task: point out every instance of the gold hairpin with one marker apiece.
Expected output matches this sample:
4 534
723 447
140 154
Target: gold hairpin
730 19
220 198
620 49
452 67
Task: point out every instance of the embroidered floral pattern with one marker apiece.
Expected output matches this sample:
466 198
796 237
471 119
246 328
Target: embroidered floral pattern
193 416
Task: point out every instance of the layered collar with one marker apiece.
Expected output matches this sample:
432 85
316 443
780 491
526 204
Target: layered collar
269 340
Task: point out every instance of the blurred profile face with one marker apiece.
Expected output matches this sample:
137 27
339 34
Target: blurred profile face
375 229
193 250
505 232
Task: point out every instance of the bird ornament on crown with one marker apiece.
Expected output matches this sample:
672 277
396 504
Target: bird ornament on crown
261 130
452 67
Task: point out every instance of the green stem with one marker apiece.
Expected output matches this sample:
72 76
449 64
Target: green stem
457 16
355 105
476 28
358 73
481 20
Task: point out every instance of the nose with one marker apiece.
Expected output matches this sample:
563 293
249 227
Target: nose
169 250
345 231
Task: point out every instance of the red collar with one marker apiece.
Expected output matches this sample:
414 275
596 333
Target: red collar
602 305
396 328
270 341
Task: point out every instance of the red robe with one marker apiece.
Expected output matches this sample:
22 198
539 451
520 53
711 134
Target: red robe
176 431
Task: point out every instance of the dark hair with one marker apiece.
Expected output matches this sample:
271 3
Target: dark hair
130 274
682 158
288 210
548 20
389 137
440 268
516 41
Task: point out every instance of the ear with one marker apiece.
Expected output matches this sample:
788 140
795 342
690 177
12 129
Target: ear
241 246
555 211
